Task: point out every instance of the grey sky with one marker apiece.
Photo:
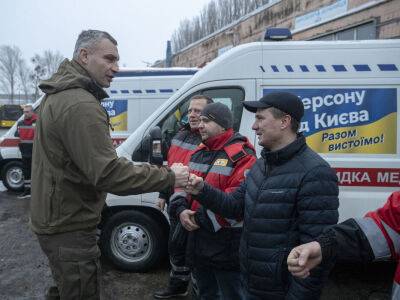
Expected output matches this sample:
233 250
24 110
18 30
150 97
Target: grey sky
140 27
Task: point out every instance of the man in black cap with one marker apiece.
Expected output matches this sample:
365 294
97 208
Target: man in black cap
213 242
289 196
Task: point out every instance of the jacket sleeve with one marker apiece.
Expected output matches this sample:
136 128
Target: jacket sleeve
382 227
317 204
346 242
166 194
226 205
177 204
374 237
241 167
88 143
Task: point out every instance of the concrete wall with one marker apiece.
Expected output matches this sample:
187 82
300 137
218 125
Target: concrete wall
385 14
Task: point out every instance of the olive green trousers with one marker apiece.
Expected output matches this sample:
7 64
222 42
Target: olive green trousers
74 263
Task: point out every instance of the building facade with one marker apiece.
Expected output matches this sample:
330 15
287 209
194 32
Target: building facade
307 20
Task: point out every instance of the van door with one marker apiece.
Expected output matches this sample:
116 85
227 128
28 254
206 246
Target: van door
229 93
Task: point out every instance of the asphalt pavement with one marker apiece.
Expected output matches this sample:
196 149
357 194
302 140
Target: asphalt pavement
24 269
25 274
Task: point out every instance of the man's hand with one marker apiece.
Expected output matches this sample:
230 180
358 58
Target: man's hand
181 174
304 258
195 184
160 203
187 219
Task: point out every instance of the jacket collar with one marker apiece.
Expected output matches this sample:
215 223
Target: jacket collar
282 155
219 141
92 86
30 120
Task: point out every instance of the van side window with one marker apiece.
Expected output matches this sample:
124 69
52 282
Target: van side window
230 96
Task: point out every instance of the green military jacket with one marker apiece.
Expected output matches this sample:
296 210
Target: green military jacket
74 162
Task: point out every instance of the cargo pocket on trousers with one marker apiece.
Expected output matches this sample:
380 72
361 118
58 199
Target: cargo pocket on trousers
81 269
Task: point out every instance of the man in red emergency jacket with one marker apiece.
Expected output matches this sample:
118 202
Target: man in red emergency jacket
182 146
26 132
374 237
213 243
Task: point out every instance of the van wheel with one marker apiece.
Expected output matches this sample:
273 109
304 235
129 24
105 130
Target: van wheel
133 241
13 178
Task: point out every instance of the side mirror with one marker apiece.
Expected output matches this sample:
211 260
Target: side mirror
156 154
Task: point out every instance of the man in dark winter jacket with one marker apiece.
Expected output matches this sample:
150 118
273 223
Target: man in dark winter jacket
213 243
26 132
182 146
74 165
289 196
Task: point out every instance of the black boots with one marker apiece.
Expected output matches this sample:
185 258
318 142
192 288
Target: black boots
171 291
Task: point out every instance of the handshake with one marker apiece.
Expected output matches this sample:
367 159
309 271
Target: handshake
191 183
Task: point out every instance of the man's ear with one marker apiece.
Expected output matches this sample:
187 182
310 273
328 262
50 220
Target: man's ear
83 55
286 121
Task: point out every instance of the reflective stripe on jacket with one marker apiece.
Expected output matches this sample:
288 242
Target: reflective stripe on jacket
382 229
230 155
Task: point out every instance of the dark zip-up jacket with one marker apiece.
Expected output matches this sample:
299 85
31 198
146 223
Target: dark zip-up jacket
288 198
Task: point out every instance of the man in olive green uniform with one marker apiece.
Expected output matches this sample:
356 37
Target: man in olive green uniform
74 166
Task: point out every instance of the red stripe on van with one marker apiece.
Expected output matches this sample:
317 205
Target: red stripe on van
379 177
7 142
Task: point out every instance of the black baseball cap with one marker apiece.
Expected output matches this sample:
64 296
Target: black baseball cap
284 101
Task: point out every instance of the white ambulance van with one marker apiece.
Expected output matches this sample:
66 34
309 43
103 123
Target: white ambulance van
134 95
350 91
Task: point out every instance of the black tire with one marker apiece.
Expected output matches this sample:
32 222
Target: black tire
12 176
133 241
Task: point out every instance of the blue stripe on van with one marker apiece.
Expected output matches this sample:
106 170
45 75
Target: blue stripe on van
289 68
304 68
362 68
387 67
166 91
124 91
150 91
137 91
339 68
154 73
114 92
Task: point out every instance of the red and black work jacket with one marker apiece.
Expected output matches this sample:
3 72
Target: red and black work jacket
374 237
26 133
223 162
183 144
382 229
